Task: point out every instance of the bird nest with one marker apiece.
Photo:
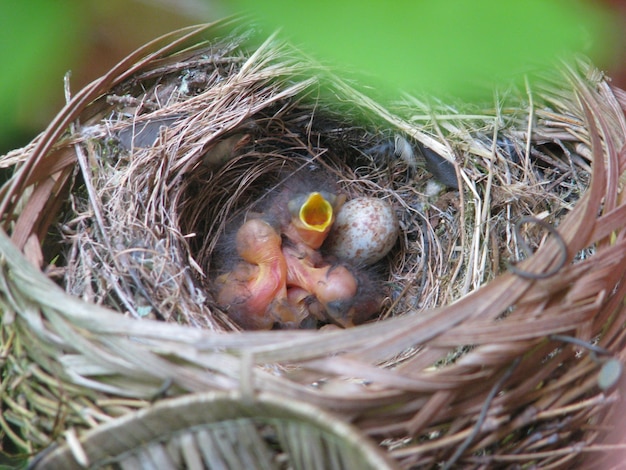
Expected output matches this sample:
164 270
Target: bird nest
497 330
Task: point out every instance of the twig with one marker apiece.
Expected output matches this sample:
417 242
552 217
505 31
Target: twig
482 416
562 246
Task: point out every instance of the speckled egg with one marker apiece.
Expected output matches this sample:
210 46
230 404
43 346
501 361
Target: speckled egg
364 231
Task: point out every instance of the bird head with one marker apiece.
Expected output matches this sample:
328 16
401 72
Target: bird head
258 242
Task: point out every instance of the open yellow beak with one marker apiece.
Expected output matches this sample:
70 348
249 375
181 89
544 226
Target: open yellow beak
316 213
312 216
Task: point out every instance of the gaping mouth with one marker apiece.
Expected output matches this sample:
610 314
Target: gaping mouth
316 213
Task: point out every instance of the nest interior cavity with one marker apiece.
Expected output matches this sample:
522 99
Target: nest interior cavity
181 150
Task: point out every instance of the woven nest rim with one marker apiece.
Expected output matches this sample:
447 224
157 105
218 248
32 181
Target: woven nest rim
178 423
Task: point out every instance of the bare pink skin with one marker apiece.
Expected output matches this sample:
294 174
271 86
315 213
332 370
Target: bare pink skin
255 292
334 287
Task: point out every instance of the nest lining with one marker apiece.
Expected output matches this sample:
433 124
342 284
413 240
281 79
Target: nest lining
130 216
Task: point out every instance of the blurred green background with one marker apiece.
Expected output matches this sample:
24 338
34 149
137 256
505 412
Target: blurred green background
456 47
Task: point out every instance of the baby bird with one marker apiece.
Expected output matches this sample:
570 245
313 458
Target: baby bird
255 292
327 292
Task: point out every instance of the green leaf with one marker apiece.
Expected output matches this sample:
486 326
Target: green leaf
38 39
461 47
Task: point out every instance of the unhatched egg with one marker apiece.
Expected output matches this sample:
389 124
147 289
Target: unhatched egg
364 231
